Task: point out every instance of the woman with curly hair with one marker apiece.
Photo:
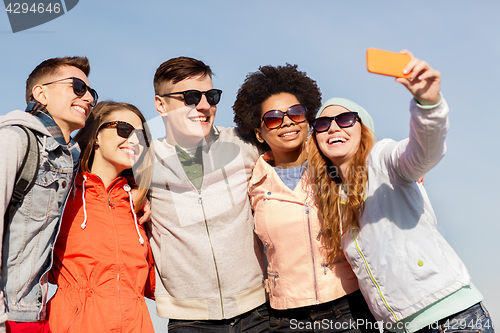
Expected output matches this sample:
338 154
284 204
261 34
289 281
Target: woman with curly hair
409 275
307 290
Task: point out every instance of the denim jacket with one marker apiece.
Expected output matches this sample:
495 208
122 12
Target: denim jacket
30 236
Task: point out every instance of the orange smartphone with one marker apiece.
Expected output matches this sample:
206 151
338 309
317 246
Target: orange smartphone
386 62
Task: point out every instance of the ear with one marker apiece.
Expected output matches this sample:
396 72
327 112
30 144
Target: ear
258 135
95 142
40 95
159 105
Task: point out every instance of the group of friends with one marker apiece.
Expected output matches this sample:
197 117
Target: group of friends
293 220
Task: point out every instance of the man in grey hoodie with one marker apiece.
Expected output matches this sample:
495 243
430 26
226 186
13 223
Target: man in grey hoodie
208 261
59 101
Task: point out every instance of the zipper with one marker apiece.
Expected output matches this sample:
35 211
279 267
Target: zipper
107 193
274 276
312 252
310 244
371 276
117 253
200 201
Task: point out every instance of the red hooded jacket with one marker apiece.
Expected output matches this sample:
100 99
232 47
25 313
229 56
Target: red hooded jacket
102 262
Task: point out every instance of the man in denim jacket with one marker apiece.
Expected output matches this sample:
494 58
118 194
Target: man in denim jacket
59 101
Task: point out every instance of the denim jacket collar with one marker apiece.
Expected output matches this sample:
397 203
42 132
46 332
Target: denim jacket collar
41 112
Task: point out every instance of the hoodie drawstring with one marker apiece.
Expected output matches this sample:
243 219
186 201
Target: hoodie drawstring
84 224
127 188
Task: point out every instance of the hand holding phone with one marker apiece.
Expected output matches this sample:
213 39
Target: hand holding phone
422 81
387 63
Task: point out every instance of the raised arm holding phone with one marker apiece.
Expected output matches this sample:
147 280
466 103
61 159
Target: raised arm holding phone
409 275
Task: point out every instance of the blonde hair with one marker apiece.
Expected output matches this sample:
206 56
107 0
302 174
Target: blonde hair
340 213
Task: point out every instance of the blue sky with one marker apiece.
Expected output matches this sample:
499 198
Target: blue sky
126 41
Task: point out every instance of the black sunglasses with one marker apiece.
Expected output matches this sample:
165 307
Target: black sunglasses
194 96
274 118
79 88
346 119
125 130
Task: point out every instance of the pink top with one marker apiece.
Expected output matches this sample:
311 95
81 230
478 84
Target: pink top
289 224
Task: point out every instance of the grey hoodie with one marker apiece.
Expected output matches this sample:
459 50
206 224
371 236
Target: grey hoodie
206 253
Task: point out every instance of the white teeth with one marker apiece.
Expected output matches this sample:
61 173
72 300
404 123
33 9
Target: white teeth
199 119
79 109
288 134
336 140
128 151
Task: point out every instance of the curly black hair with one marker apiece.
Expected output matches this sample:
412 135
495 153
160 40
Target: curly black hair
264 83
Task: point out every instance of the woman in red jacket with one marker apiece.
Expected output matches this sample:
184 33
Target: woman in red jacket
102 257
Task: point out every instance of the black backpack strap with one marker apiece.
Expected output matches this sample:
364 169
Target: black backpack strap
26 175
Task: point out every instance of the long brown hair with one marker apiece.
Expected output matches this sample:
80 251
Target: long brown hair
339 216
139 176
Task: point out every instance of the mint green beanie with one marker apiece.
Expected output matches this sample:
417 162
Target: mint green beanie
351 106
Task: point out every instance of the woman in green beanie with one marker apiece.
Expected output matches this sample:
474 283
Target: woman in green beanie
409 275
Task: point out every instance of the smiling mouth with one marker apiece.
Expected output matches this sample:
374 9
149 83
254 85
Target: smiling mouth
201 119
336 140
284 135
80 109
128 151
